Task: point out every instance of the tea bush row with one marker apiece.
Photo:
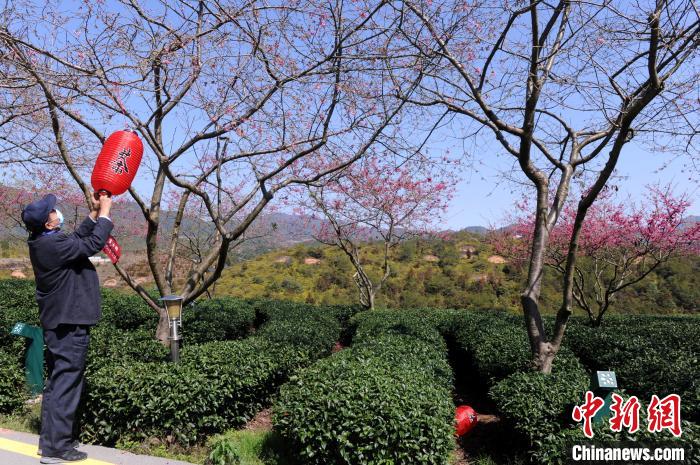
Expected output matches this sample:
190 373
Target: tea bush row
386 399
649 356
493 347
12 389
17 304
206 320
216 385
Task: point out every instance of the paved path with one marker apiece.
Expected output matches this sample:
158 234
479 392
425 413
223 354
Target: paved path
20 449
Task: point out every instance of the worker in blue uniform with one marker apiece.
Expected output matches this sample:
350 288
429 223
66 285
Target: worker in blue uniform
68 295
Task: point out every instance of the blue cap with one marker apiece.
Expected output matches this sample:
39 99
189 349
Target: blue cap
36 213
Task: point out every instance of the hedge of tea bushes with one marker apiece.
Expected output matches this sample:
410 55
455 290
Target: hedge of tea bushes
206 320
649 355
491 344
386 399
539 405
370 328
422 324
219 319
216 385
269 309
495 350
12 384
494 345
109 346
126 311
17 304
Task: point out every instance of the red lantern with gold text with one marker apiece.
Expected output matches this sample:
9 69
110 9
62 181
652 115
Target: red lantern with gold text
466 419
117 164
114 171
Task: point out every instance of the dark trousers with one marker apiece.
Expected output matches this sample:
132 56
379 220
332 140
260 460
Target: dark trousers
67 350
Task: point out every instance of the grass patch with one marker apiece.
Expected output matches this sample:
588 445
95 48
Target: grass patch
28 420
256 447
489 460
153 447
253 447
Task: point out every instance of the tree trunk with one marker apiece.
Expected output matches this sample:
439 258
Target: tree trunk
367 295
598 321
542 351
530 296
364 286
370 303
545 357
163 329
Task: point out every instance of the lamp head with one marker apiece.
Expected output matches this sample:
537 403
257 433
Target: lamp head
173 304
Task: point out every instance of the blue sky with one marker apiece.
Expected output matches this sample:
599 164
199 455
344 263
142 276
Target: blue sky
484 198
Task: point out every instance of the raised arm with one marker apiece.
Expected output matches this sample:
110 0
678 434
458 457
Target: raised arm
85 228
73 248
77 246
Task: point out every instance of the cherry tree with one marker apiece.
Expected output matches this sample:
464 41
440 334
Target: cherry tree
10 218
381 199
561 88
235 101
619 245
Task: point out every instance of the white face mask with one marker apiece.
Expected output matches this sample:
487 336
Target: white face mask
59 216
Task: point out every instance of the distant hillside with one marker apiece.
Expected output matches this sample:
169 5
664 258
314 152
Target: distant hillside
268 232
481 230
424 272
690 220
271 230
459 272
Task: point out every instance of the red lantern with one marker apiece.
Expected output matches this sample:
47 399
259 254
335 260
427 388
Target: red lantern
117 163
466 419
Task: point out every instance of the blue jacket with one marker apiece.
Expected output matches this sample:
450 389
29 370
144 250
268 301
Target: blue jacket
67 285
